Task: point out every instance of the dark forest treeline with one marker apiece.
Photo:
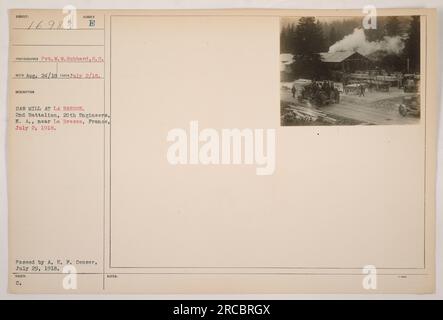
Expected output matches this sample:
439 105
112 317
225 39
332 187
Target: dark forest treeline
309 36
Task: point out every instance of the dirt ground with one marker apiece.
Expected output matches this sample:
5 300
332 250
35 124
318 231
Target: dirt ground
373 108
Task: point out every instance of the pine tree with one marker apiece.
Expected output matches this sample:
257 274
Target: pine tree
308 37
412 45
333 36
308 43
392 27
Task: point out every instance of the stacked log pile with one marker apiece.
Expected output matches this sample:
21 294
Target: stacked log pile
307 114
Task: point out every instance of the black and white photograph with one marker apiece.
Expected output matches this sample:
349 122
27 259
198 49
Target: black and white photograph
334 71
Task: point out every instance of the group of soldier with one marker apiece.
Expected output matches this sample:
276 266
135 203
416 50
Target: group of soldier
326 86
319 86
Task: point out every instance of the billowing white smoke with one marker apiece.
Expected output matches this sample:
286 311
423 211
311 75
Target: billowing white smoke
357 42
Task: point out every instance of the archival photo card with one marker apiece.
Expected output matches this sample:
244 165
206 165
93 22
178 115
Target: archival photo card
147 152
348 71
